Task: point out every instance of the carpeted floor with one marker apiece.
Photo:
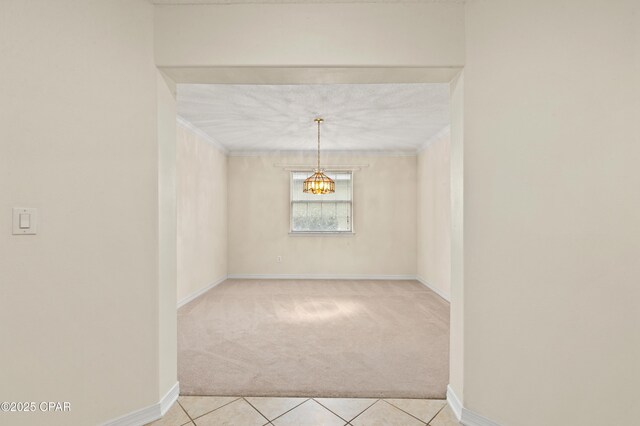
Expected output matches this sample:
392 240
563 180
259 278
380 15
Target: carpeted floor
316 338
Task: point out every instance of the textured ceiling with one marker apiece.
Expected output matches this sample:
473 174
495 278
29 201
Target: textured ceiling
381 117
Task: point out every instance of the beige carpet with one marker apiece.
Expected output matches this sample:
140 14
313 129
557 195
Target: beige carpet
316 338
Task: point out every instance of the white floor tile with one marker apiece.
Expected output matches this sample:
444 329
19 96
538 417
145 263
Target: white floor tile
347 408
237 413
445 418
423 409
309 414
196 406
274 407
384 414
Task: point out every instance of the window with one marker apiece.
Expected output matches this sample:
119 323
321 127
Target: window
328 213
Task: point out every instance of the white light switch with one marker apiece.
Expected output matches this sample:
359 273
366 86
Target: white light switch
25 221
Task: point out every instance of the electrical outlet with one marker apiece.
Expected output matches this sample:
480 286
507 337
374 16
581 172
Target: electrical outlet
279 259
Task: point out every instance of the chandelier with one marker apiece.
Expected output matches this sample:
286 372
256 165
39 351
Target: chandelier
319 183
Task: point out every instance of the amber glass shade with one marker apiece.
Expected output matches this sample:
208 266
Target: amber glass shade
319 183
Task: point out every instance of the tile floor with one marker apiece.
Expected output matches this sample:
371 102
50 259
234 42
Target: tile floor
260 411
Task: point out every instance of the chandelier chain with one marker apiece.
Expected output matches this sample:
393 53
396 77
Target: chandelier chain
319 121
319 183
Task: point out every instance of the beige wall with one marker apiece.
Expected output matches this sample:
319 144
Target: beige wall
434 215
456 163
79 301
202 213
167 244
364 34
552 242
384 220
550 216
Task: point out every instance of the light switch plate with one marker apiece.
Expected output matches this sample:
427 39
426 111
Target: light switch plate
31 220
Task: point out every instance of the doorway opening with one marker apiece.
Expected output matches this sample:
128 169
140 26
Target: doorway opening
271 325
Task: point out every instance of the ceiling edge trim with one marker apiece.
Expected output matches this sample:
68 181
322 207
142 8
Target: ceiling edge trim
446 131
188 125
313 153
328 167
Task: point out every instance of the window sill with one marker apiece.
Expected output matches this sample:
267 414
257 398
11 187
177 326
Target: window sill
322 234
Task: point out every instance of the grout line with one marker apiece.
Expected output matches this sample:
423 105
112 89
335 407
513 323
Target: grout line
341 416
422 421
270 420
215 409
275 418
259 412
185 411
326 408
364 410
436 415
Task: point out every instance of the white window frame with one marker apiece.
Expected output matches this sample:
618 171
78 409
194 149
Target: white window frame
320 233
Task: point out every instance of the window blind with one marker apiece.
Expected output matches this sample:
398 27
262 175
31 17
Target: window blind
322 213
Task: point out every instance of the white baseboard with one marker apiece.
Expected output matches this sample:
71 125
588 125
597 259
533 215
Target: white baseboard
466 416
454 402
200 292
318 277
469 418
169 398
137 418
150 413
439 292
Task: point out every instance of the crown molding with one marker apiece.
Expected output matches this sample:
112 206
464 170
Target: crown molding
326 167
444 133
313 153
190 126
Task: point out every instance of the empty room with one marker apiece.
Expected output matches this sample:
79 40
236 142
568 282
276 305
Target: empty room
319 212
313 252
